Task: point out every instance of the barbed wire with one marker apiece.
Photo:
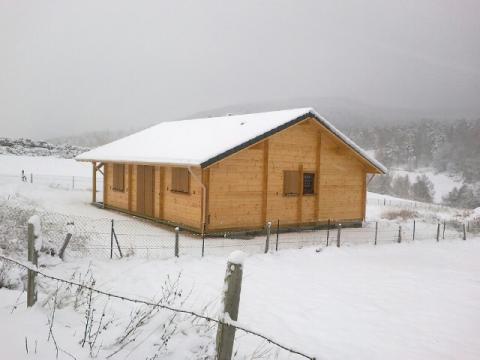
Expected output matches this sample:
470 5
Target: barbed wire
231 323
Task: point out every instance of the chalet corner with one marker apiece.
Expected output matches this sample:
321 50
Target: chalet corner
236 173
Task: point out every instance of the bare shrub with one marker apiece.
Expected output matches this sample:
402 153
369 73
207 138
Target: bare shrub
403 214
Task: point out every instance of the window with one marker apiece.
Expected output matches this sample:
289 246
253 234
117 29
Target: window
180 180
118 177
291 183
308 183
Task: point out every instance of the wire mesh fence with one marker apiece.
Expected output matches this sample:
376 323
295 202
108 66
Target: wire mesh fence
62 182
109 238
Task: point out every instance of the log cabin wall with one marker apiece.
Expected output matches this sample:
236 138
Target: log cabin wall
179 208
236 183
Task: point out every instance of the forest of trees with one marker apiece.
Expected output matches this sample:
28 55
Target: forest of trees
452 147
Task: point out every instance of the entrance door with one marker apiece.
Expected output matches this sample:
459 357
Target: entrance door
145 189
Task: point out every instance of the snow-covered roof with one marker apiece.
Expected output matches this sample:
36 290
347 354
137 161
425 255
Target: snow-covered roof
201 142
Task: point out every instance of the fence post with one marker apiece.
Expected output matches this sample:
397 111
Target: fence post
64 246
177 230
468 226
328 230
443 235
376 232
464 232
339 234
267 240
438 232
31 178
73 182
231 302
413 236
399 234
33 259
278 232
111 241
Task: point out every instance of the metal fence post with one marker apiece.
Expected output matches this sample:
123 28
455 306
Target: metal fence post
231 302
464 232
339 231
177 230
413 236
33 259
376 232
111 241
399 234
328 230
267 240
438 232
278 232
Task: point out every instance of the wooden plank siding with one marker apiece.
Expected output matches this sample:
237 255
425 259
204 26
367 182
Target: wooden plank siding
245 189
237 182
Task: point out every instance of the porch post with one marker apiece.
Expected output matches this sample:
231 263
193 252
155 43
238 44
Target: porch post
94 182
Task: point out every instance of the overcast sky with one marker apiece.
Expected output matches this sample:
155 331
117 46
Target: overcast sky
72 66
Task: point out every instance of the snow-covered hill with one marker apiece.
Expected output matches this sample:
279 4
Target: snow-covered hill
38 148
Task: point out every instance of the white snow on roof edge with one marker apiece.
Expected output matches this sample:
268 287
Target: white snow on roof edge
197 142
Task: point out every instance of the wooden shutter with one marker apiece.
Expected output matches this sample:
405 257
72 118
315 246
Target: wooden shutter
118 177
180 180
291 182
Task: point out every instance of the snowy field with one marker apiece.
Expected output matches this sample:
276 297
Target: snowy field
414 300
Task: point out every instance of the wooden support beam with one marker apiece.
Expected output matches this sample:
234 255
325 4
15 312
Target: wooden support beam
300 195
99 166
161 194
105 185
94 182
205 198
130 186
317 176
364 196
265 182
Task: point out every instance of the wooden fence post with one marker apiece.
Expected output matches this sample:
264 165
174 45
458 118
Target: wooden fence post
177 230
399 234
267 240
376 232
464 232
438 232
339 234
413 236
231 302
31 178
278 232
73 182
33 259
443 235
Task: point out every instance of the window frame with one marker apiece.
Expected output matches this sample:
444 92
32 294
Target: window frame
313 187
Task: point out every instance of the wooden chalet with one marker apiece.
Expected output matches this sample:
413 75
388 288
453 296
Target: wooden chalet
236 173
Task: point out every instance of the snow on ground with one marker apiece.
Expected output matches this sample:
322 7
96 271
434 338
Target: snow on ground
415 300
399 301
443 182
43 165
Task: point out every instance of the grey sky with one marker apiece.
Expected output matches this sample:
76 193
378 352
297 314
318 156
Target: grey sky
72 66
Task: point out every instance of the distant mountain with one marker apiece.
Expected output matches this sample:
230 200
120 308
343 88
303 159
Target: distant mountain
343 113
